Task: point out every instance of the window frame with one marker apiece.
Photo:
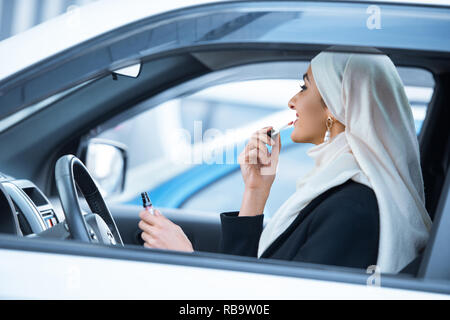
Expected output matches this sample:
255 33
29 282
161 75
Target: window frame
241 72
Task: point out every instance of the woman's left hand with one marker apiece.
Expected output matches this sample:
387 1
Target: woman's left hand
161 233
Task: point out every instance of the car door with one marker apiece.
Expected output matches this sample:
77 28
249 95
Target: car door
200 41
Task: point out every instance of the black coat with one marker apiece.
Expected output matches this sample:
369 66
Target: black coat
339 227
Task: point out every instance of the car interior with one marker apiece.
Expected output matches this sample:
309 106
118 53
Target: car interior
44 176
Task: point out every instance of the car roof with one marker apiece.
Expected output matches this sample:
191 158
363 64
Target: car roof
421 2
94 19
75 27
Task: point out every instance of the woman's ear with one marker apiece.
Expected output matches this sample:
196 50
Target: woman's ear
329 115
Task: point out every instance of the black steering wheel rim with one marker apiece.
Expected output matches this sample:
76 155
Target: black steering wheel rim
9 223
70 172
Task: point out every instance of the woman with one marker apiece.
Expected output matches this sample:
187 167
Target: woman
363 202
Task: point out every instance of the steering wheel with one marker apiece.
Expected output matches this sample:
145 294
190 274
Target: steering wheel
95 227
8 219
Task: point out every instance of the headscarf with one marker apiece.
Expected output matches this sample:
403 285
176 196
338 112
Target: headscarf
378 148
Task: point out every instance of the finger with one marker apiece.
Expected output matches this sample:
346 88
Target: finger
265 130
278 143
251 154
241 158
263 139
147 238
257 144
260 143
160 215
262 136
148 217
145 227
149 242
252 157
147 245
264 155
255 156
276 150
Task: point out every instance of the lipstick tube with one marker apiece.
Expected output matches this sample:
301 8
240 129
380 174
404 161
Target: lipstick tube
146 203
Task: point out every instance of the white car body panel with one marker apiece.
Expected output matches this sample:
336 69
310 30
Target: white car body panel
32 275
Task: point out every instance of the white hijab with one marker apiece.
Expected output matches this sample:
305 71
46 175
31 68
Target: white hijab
366 94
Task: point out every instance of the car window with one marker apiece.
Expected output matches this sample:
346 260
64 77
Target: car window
184 151
264 23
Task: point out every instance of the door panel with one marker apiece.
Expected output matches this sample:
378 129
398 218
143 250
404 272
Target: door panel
202 229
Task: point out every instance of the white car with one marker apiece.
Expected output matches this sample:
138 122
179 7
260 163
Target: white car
67 81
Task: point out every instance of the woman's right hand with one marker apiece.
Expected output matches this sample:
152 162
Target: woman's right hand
258 166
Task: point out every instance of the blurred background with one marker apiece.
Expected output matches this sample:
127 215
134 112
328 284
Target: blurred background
19 15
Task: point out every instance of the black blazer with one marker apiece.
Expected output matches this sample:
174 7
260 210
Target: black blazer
339 227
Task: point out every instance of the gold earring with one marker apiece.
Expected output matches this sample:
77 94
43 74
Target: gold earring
328 133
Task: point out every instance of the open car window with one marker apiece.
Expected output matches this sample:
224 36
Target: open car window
184 151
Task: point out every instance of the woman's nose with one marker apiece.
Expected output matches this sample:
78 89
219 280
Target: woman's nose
291 104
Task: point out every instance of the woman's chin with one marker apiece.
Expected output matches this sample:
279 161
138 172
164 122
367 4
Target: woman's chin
301 137
298 138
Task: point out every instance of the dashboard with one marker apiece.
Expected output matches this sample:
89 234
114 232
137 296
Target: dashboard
34 211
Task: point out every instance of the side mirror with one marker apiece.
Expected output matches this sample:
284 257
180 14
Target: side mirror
106 161
132 71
